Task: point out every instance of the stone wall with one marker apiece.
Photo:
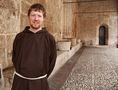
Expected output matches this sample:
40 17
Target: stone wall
61 18
54 19
93 14
70 7
9 26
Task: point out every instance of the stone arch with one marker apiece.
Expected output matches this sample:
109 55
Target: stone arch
103 34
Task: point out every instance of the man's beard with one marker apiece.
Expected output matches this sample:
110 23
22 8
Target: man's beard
33 27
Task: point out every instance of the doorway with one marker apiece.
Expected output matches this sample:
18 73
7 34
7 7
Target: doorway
103 34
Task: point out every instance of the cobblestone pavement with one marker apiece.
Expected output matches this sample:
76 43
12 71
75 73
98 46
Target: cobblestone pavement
96 69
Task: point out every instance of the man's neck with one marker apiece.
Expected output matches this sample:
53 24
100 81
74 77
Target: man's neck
35 30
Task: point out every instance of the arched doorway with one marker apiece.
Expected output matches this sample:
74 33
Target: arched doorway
103 35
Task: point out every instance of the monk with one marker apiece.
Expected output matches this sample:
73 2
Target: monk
34 53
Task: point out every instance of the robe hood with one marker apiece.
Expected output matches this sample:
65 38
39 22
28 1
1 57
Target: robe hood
27 30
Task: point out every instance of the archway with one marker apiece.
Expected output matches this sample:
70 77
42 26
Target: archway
103 35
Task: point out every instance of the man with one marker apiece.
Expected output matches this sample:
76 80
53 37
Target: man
34 53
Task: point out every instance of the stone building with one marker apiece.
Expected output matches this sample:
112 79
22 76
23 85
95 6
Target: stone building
94 22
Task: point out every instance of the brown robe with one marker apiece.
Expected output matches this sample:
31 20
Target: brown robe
34 55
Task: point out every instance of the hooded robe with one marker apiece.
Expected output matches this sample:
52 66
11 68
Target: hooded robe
34 55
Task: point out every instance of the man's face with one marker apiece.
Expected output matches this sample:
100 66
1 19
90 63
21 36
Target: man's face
36 19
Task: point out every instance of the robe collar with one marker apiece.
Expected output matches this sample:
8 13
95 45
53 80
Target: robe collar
27 30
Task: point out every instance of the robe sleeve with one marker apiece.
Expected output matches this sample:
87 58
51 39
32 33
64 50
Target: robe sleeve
14 51
53 55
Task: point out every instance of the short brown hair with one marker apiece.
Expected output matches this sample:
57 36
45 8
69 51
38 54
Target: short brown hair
37 7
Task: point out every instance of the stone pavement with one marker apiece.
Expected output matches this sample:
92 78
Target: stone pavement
96 69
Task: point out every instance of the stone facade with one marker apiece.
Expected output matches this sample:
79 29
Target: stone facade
92 15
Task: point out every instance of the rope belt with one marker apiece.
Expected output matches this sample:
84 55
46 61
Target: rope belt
30 78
